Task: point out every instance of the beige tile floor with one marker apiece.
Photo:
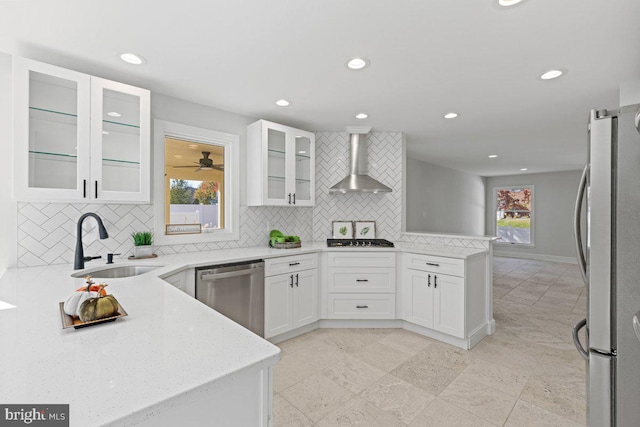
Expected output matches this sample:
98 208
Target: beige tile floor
527 374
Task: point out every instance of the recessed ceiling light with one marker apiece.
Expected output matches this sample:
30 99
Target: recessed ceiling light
193 146
282 103
551 74
132 58
104 132
508 2
362 116
451 115
177 156
357 63
524 169
493 156
302 152
114 114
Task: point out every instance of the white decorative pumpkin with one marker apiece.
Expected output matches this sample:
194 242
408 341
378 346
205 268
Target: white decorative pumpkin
73 303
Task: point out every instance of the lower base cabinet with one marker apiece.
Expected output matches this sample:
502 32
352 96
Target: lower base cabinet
291 301
436 302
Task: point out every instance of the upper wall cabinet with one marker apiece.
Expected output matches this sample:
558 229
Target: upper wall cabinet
280 165
78 137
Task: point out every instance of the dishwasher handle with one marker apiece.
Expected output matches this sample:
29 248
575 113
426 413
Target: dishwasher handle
208 277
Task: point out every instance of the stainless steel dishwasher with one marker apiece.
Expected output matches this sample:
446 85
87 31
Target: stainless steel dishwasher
236 290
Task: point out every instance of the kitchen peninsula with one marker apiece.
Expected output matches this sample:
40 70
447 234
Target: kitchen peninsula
181 360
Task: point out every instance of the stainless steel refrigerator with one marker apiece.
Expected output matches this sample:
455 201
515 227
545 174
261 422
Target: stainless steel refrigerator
609 257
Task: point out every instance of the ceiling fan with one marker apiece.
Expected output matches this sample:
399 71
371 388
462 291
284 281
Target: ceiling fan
205 164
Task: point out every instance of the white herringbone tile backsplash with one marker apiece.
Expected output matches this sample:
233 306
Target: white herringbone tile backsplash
47 231
385 165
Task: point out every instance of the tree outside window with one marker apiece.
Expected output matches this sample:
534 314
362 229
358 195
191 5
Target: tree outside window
514 211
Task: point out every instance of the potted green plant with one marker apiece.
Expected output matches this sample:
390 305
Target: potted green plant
143 244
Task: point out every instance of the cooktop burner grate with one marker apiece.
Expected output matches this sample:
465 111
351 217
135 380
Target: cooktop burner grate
359 243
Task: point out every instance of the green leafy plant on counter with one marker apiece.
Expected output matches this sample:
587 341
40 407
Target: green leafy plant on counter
142 238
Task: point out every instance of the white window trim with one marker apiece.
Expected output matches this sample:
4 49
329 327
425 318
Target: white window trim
230 142
493 216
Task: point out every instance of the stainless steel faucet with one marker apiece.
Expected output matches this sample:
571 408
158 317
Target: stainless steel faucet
78 264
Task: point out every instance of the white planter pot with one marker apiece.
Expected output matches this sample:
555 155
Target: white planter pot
143 251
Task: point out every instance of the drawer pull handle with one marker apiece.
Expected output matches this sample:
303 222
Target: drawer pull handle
434 264
362 280
291 264
362 306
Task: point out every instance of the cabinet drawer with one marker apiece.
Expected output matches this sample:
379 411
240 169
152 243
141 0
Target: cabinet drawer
436 264
361 259
361 306
345 279
288 264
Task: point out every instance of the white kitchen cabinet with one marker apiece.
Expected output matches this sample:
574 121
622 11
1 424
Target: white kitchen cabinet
291 298
280 165
183 280
361 285
453 304
79 137
436 301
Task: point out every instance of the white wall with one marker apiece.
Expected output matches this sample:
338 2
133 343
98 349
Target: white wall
554 202
8 221
444 200
630 93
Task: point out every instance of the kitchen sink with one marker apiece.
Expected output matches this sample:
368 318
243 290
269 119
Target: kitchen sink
116 272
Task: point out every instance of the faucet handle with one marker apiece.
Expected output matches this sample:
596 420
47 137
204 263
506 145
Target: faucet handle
110 258
89 258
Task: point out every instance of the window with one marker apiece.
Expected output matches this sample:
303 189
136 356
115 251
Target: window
196 186
514 214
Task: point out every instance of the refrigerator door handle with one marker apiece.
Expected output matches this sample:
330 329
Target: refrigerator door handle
577 232
576 339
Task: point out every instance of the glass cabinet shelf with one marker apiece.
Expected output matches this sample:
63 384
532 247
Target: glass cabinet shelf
282 178
52 111
121 124
71 156
303 156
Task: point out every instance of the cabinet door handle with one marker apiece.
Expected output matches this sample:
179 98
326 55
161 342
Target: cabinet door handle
291 264
294 198
84 188
428 280
362 306
289 198
435 281
297 280
434 264
362 280
291 277
96 188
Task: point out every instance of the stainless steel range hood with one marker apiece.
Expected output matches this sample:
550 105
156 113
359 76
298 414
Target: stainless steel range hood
358 181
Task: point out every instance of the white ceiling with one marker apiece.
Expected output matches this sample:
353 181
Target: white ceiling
427 58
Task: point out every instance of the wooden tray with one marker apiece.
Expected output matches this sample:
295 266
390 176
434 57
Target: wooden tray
285 245
71 322
143 257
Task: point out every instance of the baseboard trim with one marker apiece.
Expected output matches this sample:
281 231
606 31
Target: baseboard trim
358 323
538 257
292 334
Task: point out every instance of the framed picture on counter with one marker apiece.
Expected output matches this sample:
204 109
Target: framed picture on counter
342 229
365 229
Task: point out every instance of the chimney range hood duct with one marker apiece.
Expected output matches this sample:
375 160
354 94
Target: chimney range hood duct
358 181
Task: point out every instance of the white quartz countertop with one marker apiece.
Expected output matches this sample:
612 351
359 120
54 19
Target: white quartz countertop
168 345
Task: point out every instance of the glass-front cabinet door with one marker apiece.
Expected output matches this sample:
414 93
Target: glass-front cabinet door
51 131
304 168
280 165
120 143
276 168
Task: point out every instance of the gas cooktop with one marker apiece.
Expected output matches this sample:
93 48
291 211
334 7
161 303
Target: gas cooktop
359 243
